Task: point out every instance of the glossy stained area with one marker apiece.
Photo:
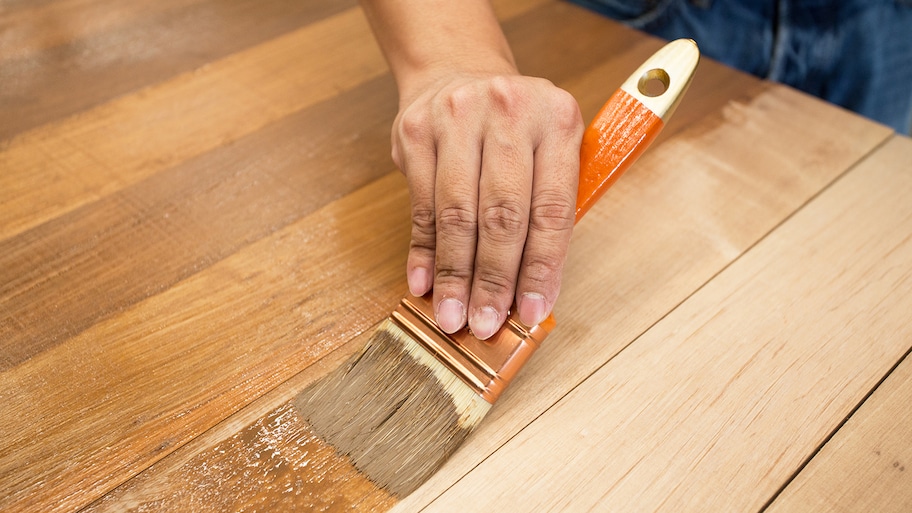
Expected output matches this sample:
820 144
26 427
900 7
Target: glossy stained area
275 464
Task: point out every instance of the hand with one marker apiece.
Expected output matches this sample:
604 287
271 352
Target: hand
492 162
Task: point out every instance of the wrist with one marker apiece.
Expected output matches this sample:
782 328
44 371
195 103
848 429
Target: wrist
419 76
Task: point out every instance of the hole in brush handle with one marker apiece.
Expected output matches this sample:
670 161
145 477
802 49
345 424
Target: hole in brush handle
654 83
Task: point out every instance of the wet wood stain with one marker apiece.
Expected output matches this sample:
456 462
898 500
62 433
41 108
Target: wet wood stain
275 464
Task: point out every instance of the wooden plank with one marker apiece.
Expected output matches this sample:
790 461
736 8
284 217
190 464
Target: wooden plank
59 59
135 383
28 28
867 465
714 407
62 166
111 245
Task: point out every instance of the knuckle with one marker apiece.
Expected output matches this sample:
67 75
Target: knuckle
414 125
456 220
458 102
512 99
495 282
450 274
552 215
506 95
423 226
542 269
504 218
566 113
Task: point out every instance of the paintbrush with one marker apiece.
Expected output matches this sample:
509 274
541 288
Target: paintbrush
404 404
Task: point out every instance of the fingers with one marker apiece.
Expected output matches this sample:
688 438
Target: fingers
492 166
505 187
456 192
552 214
527 206
414 153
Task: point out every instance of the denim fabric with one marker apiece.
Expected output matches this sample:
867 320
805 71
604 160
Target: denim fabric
854 53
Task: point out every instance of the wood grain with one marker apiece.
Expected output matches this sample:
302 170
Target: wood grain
714 406
660 189
176 197
867 465
259 172
64 165
59 59
167 479
275 464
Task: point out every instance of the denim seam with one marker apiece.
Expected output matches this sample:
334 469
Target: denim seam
650 16
780 38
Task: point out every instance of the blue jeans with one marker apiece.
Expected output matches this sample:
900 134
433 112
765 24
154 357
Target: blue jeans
853 53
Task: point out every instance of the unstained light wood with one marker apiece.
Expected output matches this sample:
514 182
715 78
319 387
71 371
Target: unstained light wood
867 465
715 406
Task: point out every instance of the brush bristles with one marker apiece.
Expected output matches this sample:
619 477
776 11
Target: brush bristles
394 409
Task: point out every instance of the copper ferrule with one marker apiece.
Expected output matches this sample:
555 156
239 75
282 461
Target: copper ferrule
489 365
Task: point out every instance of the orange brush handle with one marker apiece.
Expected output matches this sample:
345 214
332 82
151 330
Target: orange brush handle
632 118
619 134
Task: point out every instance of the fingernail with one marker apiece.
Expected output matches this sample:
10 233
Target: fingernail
532 309
419 281
451 315
484 323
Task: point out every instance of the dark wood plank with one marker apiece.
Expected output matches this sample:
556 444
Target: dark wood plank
47 83
185 480
30 27
141 240
66 164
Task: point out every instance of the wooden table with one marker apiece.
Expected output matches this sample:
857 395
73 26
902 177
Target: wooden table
199 217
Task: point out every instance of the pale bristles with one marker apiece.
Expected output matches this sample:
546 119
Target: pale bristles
469 405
